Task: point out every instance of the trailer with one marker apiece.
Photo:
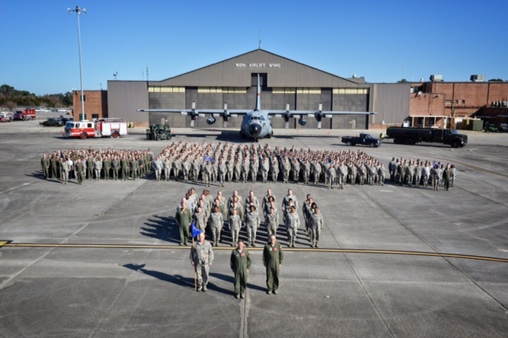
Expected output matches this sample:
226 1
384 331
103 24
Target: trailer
408 135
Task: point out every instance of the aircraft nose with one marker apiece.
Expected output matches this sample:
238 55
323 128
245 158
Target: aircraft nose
255 129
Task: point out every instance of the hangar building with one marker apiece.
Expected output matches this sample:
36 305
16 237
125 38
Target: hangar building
284 83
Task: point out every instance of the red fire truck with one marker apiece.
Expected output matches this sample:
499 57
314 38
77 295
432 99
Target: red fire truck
23 115
110 127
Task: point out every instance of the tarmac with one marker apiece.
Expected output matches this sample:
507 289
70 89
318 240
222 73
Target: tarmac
102 259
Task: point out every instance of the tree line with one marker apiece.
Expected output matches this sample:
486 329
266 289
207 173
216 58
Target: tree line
11 98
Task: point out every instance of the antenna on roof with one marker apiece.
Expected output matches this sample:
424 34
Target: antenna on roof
259 40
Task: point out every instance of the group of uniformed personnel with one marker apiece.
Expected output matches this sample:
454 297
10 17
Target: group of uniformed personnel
201 257
417 173
216 213
225 162
87 164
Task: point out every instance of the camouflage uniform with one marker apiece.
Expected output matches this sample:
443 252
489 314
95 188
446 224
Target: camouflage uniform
272 222
201 257
292 225
306 171
275 168
235 223
265 168
200 220
216 223
341 175
316 224
316 171
252 221
295 168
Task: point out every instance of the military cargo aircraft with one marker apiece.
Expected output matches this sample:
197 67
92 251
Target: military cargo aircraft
256 123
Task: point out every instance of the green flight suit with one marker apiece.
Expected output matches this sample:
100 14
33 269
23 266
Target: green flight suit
272 259
80 172
240 263
183 218
106 167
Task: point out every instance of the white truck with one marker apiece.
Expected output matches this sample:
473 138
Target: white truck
108 127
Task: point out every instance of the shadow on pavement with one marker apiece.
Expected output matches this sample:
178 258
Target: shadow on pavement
231 279
163 228
175 279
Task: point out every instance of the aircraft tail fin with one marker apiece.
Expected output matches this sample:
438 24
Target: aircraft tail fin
258 96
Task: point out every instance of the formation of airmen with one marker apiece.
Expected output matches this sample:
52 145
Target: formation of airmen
215 214
225 162
409 172
96 164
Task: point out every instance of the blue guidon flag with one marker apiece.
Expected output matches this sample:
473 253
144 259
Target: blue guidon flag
195 231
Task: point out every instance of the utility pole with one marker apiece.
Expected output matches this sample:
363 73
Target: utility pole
80 10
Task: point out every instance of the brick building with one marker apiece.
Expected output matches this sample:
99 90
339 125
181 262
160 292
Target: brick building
96 104
447 104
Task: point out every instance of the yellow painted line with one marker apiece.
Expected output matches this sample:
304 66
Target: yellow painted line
309 250
2 243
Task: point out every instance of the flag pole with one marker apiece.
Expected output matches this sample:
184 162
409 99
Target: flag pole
193 229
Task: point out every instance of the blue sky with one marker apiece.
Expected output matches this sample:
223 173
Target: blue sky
384 41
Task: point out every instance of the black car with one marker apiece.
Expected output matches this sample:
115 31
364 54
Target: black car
52 122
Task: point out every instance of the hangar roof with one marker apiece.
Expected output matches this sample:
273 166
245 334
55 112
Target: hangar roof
236 72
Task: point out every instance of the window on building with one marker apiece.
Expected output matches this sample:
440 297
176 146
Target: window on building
288 90
351 90
308 90
463 101
234 90
448 103
157 89
95 116
210 90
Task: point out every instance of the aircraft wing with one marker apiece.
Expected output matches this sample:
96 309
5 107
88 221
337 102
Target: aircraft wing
199 112
314 113
194 113
319 114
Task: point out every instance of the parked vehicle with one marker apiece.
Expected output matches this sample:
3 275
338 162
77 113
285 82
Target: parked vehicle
409 135
52 122
111 127
5 117
158 132
491 128
364 139
24 115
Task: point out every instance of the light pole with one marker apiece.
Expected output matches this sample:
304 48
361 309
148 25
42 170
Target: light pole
80 10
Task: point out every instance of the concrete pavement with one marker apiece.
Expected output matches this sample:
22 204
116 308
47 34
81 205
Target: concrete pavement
105 292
